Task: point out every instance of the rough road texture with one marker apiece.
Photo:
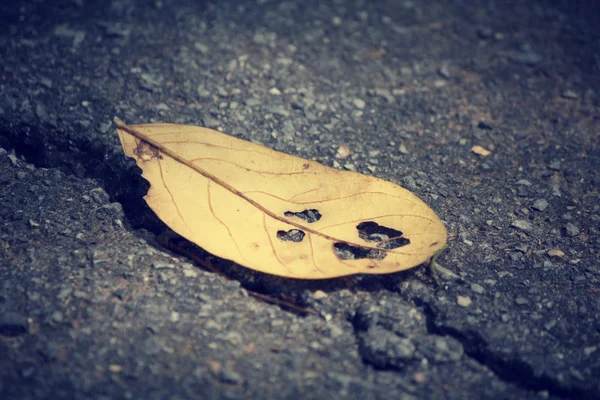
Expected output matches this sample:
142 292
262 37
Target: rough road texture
95 304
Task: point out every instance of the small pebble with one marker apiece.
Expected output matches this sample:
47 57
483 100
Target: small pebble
190 273
419 377
571 230
319 294
358 103
528 58
522 225
555 191
555 165
540 204
230 376
343 152
463 301
57 316
409 182
13 159
477 288
201 47
485 32
556 253
587 351
116 368
174 316
444 71
480 151
521 301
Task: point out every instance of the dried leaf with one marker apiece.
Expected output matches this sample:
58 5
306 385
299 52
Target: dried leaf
277 213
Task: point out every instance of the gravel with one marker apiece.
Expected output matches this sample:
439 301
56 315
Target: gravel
571 230
540 205
96 300
522 225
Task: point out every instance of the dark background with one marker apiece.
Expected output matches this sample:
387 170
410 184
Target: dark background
95 304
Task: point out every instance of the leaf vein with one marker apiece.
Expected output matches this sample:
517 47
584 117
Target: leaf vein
312 255
328 200
250 169
220 221
162 177
269 153
272 246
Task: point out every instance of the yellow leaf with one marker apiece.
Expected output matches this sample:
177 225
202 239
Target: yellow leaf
277 213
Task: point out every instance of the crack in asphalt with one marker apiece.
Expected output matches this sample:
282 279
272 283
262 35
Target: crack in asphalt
118 176
510 371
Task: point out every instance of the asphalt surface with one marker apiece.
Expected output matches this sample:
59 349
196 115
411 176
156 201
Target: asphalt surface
97 301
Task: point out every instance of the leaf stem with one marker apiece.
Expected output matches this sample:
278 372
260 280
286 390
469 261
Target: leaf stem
433 264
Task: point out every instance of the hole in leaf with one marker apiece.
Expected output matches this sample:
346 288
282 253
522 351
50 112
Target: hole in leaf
293 235
386 238
345 251
309 216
